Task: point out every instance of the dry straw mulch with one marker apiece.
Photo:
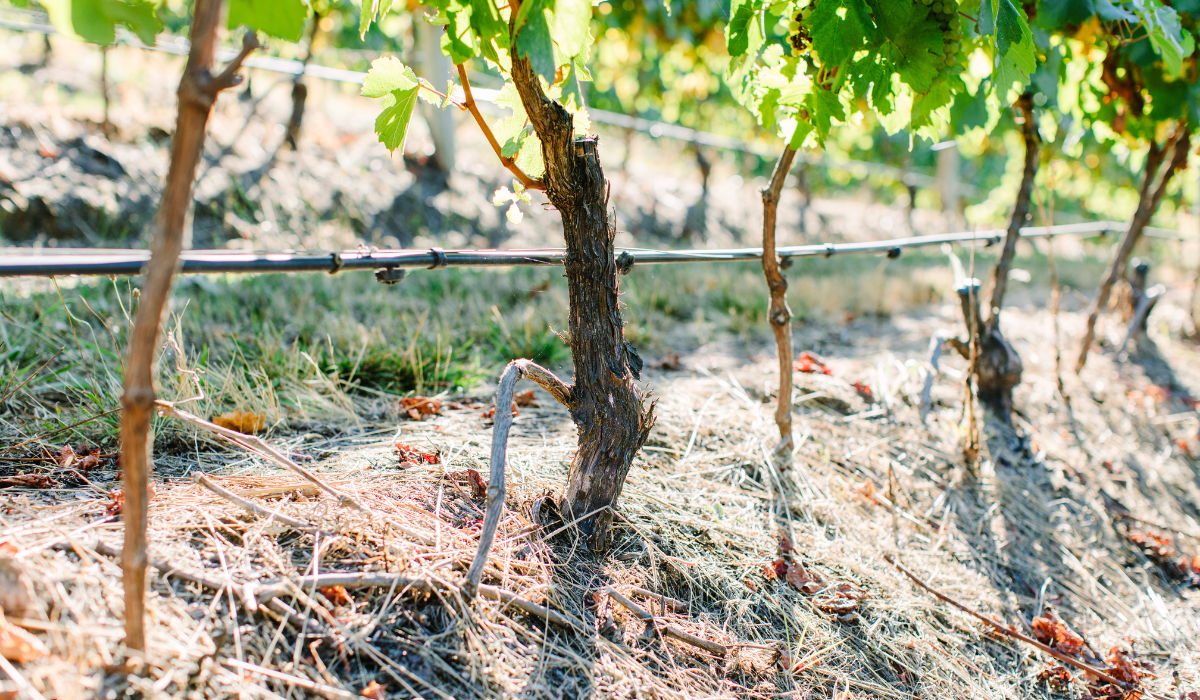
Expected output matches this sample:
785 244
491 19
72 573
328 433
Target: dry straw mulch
784 570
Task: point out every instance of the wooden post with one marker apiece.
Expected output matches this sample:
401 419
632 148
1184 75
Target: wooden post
436 68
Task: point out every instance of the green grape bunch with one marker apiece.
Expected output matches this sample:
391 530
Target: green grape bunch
800 39
944 13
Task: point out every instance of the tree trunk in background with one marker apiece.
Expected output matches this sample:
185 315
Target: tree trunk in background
106 125
300 88
998 367
778 313
608 407
1154 186
437 69
197 91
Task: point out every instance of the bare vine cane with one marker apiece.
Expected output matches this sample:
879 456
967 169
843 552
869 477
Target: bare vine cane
514 372
779 315
198 90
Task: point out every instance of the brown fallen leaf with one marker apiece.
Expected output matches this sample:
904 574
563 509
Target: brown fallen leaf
19 646
338 595
525 399
491 412
801 580
89 461
1056 676
116 502
66 457
26 481
412 455
418 407
473 478
1051 631
374 691
670 362
242 421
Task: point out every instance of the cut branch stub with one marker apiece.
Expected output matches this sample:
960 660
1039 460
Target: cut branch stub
197 91
997 366
608 407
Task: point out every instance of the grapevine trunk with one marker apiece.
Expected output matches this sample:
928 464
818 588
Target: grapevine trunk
608 407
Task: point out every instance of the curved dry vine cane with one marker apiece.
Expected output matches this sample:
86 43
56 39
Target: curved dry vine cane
514 372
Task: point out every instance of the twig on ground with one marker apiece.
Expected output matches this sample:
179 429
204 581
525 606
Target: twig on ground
263 449
669 630
203 480
318 688
674 604
1010 632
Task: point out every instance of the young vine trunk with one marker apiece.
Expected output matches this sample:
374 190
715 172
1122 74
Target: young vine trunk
300 88
197 92
1154 186
997 365
778 313
608 407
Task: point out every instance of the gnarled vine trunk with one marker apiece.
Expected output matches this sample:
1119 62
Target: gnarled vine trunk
1154 186
197 91
608 407
998 367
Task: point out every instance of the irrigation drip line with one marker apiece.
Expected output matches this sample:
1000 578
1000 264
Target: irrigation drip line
179 46
390 264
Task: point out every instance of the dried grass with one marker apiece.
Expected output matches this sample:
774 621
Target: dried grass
701 514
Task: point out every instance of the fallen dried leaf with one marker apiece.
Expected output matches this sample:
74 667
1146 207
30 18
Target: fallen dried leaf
337 595
27 481
418 407
1051 631
242 421
809 363
19 646
1056 676
472 477
412 455
374 691
864 390
491 412
116 503
525 398
670 362
66 457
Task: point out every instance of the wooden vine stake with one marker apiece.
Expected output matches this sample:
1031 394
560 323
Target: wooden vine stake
198 90
778 313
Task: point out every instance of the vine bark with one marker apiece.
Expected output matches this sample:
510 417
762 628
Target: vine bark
609 409
197 91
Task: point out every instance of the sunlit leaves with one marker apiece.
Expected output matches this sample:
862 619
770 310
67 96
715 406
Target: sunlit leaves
744 32
913 45
372 11
282 19
396 86
96 20
839 29
533 38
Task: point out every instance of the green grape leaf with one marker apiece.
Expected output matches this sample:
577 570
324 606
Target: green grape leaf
282 19
570 30
825 108
1111 13
534 41
396 85
1056 14
913 44
1167 36
96 20
969 111
1011 28
743 34
490 29
458 41
839 28
372 12
924 105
